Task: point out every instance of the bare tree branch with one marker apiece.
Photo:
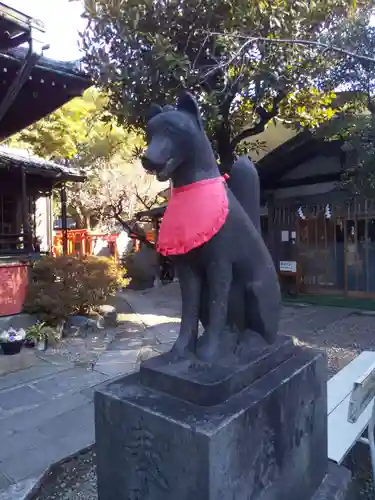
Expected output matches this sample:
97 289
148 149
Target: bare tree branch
133 228
145 201
250 40
264 115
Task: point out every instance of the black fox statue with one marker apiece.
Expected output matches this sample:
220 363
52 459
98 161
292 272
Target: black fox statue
211 231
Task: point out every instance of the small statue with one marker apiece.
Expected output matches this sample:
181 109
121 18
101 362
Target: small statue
212 233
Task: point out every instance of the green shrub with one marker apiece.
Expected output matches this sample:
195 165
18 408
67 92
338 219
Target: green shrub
41 331
62 286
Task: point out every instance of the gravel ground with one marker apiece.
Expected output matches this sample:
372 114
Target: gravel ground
360 464
73 480
343 336
76 479
343 339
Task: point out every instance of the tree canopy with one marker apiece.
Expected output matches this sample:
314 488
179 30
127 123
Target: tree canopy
356 128
146 51
84 135
79 132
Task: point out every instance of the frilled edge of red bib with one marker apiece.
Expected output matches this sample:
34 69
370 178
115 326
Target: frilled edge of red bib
179 246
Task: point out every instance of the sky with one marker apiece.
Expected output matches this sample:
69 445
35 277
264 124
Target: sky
62 20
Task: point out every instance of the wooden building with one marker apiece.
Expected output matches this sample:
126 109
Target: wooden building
321 238
31 87
26 219
24 180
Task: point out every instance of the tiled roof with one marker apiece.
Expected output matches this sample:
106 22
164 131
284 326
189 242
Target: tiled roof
13 158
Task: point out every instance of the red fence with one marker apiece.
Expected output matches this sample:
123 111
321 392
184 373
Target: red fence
14 275
13 287
83 242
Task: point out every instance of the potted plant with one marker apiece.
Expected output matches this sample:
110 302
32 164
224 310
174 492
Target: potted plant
30 340
11 340
38 335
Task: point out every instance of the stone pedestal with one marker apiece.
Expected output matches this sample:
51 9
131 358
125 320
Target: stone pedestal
263 440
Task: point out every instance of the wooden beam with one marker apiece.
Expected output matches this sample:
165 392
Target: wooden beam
19 81
362 394
23 21
64 220
25 213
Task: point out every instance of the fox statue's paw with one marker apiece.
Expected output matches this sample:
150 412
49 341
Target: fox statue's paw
209 350
185 348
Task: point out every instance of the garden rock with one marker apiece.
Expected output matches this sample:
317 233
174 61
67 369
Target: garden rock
142 268
109 315
81 325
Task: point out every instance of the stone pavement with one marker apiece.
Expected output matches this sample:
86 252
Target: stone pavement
46 410
44 416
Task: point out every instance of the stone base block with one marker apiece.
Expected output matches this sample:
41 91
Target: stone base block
337 485
267 442
211 384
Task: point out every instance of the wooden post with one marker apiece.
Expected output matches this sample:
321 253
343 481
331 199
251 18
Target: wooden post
346 243
50 224
64 220
27 240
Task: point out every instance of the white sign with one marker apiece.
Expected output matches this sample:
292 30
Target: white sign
288 266
284 235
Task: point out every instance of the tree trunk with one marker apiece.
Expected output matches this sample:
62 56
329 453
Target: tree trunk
88 222
224 149
78 216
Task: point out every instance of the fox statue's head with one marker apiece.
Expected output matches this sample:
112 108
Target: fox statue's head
178 148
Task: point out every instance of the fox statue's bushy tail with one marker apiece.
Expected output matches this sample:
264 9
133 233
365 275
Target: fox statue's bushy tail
244 184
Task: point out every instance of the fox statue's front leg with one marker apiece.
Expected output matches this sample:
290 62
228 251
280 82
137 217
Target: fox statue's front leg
190 285
219 282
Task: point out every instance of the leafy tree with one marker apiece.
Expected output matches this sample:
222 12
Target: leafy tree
146 51
83 135
58 136
353 73
78 133
356 128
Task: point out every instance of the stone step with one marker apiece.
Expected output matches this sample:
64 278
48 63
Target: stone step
30 451
23 490
44 418
41 370
29 395
36 417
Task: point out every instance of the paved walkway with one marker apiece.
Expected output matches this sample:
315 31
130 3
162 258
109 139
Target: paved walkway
46 410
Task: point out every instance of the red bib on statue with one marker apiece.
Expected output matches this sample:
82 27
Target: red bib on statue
195 213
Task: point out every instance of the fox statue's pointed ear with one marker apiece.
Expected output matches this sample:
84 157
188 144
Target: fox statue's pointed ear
154 110
186 102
